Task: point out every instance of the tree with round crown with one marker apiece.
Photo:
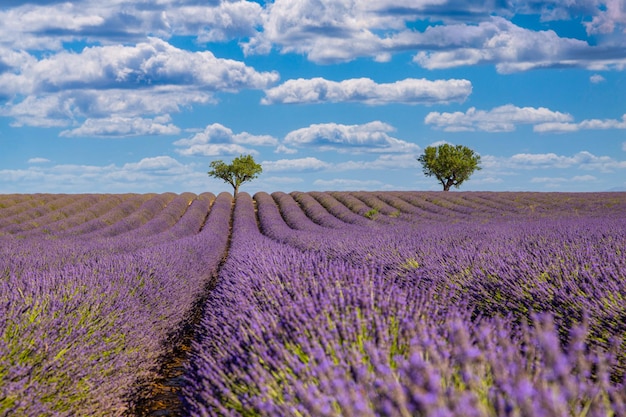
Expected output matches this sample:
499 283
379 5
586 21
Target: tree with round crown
451 165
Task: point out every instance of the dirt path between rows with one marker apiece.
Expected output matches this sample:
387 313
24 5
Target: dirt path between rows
162 396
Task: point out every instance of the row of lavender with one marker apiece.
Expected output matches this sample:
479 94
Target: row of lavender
402 304
92 287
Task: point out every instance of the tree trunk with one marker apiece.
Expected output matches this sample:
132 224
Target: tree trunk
236 187
449 183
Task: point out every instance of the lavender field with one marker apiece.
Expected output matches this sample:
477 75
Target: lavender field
314 303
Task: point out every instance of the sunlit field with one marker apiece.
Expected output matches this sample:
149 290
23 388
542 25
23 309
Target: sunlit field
315 303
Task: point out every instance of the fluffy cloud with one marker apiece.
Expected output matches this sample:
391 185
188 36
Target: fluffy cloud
118 126
332 30
60 109
45 26
499 119
295 165
408 91
146 64
335 30
590 124
472 33
581 160
365 138
158 174
610 17
510 48
217 139
150 78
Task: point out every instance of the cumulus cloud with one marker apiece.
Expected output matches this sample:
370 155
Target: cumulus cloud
463 33
327 31
334 31
609 18
46 26
408 91
590 124
119 126
158 174
66 107
217 139
510 48
499 119
149 78
582 160
296 165
146 64
365 138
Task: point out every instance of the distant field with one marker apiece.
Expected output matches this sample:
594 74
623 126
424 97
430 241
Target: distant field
315 303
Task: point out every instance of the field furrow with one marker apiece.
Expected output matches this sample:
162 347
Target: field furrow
312 304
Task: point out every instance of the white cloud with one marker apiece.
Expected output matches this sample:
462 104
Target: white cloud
597 78
590 124
60 109
499 119
408 91
216 149
582 160
146 64
297 165
609 18
223 21
365 138
217 139
119 126
38 160
351 184
511 48
383 162
284 149
333 31
158 163
577 178
151 77
157 174
40 26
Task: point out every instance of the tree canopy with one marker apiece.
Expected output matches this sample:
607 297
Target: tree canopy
451 165
241 169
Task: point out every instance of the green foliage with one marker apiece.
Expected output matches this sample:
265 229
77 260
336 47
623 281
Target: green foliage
371 214
241 169
451 165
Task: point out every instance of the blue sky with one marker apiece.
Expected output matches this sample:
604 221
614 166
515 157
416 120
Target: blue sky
140 96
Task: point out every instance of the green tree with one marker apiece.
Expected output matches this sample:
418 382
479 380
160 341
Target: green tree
451 165
242 169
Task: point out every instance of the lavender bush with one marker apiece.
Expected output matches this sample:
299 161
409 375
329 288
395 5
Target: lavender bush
328 304
517 314
83 319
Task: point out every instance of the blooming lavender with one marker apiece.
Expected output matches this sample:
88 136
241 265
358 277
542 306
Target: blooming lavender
328 304
517 314
84 319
